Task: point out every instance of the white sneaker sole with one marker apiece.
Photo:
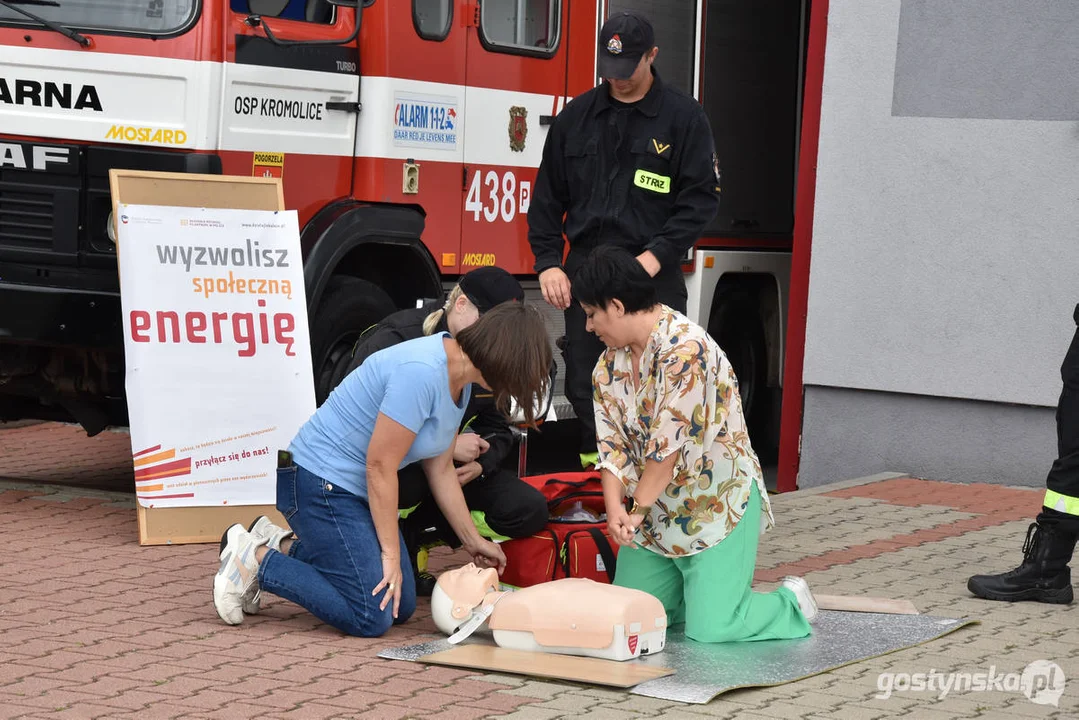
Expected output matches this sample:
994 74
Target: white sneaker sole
229 577
806 602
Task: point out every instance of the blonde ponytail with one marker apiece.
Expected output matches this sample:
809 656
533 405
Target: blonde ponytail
431 321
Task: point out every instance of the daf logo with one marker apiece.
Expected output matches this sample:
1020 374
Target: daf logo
41 158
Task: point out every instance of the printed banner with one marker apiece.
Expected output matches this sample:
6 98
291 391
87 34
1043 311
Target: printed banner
425 121
217 351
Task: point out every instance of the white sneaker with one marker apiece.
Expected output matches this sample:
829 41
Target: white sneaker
237 572
261 529
806 602
274 534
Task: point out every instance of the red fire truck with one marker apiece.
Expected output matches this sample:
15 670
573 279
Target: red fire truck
407 134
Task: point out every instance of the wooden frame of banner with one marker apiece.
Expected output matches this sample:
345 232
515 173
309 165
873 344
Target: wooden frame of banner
175 526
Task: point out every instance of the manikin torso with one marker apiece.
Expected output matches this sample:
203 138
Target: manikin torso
571 616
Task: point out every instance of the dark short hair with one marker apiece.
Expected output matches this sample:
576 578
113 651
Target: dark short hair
609 273
509 344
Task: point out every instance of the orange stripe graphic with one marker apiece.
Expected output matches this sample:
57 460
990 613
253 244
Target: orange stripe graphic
151 459
151 488
151 472
163 474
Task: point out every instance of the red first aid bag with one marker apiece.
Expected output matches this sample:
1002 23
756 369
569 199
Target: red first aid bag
574 542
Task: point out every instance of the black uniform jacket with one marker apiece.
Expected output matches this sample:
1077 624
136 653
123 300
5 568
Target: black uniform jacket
481 415
644 176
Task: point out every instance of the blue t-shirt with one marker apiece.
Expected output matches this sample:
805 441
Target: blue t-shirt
409 383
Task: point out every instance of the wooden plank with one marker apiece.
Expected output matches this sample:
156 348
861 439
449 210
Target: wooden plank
184 525
175 526
852 603
548 665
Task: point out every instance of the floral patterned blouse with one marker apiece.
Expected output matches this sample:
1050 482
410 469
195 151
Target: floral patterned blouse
688 403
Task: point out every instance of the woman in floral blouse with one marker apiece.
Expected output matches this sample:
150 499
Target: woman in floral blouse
683 488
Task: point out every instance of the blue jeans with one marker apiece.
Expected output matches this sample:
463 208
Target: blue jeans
336 562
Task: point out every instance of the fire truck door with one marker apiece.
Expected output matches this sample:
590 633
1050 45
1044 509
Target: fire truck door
516 82
291 110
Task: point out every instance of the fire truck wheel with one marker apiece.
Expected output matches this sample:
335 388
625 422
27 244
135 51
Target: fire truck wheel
736 325
348 307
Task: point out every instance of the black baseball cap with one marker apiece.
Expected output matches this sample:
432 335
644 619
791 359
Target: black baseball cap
488 286
624 38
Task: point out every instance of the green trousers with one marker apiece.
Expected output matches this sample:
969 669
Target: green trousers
711 590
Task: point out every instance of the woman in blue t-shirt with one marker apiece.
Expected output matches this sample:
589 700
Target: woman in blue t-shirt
337 483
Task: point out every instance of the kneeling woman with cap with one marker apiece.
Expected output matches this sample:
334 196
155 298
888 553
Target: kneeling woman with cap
339 491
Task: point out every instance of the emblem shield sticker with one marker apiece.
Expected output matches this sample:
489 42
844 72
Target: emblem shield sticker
518 128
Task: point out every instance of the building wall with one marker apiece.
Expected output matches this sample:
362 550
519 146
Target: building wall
945 258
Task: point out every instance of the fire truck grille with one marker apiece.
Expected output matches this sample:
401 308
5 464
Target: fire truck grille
26 216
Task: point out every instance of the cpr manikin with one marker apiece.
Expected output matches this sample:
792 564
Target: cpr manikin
571 616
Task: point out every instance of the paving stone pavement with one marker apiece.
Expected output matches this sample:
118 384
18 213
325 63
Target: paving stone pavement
92 625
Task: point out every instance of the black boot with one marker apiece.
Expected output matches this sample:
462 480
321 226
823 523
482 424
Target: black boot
1043 576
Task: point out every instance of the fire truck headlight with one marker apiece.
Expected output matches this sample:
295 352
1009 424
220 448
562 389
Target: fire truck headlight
110 231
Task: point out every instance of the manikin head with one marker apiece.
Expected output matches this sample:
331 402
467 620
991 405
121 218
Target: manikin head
457 592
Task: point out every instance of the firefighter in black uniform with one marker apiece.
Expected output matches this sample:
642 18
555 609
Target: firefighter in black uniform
631 162
502 505
1044 574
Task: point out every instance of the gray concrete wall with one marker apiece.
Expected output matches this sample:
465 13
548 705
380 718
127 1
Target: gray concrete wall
854 433
990 59
946 238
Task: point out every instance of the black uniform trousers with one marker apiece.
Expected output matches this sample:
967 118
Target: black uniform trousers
582 348
1063 477
511 507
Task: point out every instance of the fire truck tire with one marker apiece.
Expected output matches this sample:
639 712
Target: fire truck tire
349 306
736 325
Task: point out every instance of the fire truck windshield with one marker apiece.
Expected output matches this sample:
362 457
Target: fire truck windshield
66 32
144 17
